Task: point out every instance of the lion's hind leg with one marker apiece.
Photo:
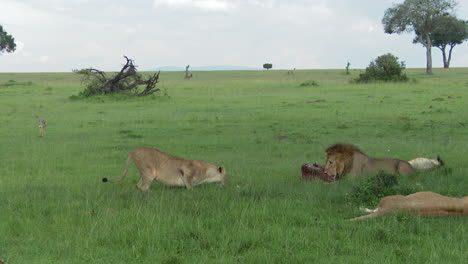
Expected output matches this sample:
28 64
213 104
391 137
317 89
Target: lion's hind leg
362 217
373 213
367 210
147 177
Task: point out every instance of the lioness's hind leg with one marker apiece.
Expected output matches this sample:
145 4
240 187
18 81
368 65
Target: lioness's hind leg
147 177
144 184
367 210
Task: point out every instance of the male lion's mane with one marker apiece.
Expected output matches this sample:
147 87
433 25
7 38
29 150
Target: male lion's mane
343 149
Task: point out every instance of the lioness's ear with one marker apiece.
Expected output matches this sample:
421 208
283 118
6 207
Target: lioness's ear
220 169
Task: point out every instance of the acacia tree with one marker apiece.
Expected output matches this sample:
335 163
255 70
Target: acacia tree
450 31
267 66
419 16
7 42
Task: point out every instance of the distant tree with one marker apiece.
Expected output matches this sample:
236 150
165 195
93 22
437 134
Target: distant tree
7 42
449 31
267 66
419 16
347 68
385 68
128 79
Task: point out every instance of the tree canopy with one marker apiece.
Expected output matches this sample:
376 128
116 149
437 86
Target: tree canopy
449 32
7 42
419 16
267 66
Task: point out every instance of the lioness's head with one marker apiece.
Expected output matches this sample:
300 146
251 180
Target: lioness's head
217 174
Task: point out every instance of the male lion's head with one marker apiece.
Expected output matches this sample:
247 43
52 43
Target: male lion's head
340 159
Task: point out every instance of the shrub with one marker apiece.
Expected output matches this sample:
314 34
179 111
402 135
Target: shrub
309 83
375 188
384 68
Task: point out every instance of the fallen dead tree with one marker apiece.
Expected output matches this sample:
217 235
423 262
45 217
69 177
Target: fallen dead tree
128 79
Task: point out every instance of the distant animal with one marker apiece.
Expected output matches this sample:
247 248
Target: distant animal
154 164
420 203
425 163
346 159
42 126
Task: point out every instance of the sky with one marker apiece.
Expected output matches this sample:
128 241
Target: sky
62 35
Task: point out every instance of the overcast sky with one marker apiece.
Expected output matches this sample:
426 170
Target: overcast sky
61 35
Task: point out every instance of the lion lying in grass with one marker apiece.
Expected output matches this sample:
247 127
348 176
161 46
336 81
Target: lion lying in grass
154 164
420 203
346 159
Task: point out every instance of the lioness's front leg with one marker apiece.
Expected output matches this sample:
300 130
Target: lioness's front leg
186 176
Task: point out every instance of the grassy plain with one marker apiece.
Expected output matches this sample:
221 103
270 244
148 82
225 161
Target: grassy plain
260 125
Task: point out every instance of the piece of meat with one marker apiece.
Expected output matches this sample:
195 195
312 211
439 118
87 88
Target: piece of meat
315 171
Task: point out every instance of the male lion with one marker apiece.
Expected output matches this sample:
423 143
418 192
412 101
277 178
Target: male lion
344 159
420 203
154 164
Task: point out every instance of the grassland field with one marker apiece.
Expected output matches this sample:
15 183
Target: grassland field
262 126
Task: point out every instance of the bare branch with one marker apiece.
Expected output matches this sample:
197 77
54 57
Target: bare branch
127 79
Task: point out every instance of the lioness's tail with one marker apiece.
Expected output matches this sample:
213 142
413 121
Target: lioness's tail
129 160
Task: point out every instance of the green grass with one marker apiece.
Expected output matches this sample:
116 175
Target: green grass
260 125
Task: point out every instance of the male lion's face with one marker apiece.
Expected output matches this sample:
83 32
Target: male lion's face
334 166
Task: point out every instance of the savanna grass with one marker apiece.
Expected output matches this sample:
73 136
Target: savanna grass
260 125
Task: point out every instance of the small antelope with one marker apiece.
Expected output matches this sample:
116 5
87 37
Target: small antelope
42 126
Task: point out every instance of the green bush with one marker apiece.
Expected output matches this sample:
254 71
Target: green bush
309 83
375 188
385 68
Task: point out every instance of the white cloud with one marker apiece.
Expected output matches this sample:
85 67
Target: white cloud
130 30
292 33
364 25
44 59
207 5
92 47
19 46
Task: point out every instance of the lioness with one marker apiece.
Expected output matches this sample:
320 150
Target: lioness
154 164
420 203
344 159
